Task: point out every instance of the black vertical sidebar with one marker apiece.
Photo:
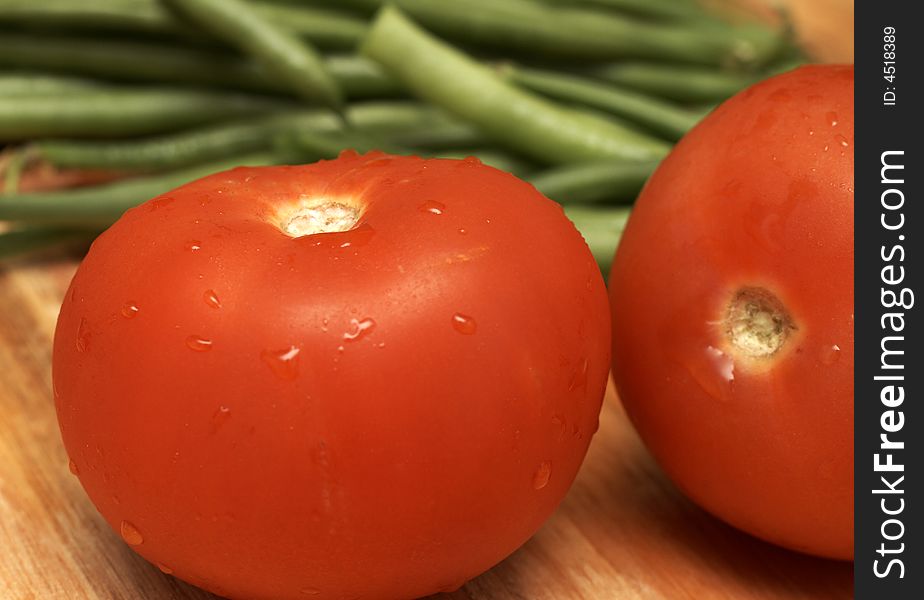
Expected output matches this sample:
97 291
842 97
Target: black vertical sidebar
889 362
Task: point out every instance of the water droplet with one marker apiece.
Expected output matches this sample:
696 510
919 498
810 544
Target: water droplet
129 310
158 203
841 140
220 417
464 324
360 329
194 246
560 425
198 344
351 238
164 569
130 534
542 475
579 377
723 363
830 354
83 336
72 467
471 161
462 231
432 206
313 591
832 118
211 299
283 363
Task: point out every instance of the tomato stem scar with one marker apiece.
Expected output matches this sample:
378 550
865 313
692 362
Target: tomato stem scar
323 216
757 323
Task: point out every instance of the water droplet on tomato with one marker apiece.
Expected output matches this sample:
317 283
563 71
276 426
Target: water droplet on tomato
360 329
542 475
832 118
723 363
464 324
83 336
579 377
310 591
211 299
130 534
129 310
194 246
841 140
158 203
560 425
72 467
471 161
283 363
164 569
462 231
433 207
198 344
830 354
220 417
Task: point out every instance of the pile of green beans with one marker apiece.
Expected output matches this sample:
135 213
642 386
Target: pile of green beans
581 98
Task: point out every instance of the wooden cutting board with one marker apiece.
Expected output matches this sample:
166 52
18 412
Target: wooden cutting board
623 532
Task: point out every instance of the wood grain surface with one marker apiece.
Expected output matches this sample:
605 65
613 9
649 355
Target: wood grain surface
623 532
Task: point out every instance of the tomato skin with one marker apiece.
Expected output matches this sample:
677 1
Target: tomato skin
384 412
758 195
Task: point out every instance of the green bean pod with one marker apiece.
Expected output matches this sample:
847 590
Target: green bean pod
669 121
41 84
122 113
326 28
392 122
294 62
592 183
152 62
532 125
676 82
578 33
100 206
602 229
26 240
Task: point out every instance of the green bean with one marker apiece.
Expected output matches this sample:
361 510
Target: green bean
494 158
26 240
33 84
441 136
325 28
528 123
391 121
309 146
655 115
294 62
676 82
601 227
589 183
100 206
152 62
173 150
543 30
667 10
121 113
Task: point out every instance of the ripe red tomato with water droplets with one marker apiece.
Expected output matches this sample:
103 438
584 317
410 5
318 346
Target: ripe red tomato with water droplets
732 300
369 377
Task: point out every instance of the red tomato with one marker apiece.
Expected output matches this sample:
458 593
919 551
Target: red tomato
382 409
732 300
